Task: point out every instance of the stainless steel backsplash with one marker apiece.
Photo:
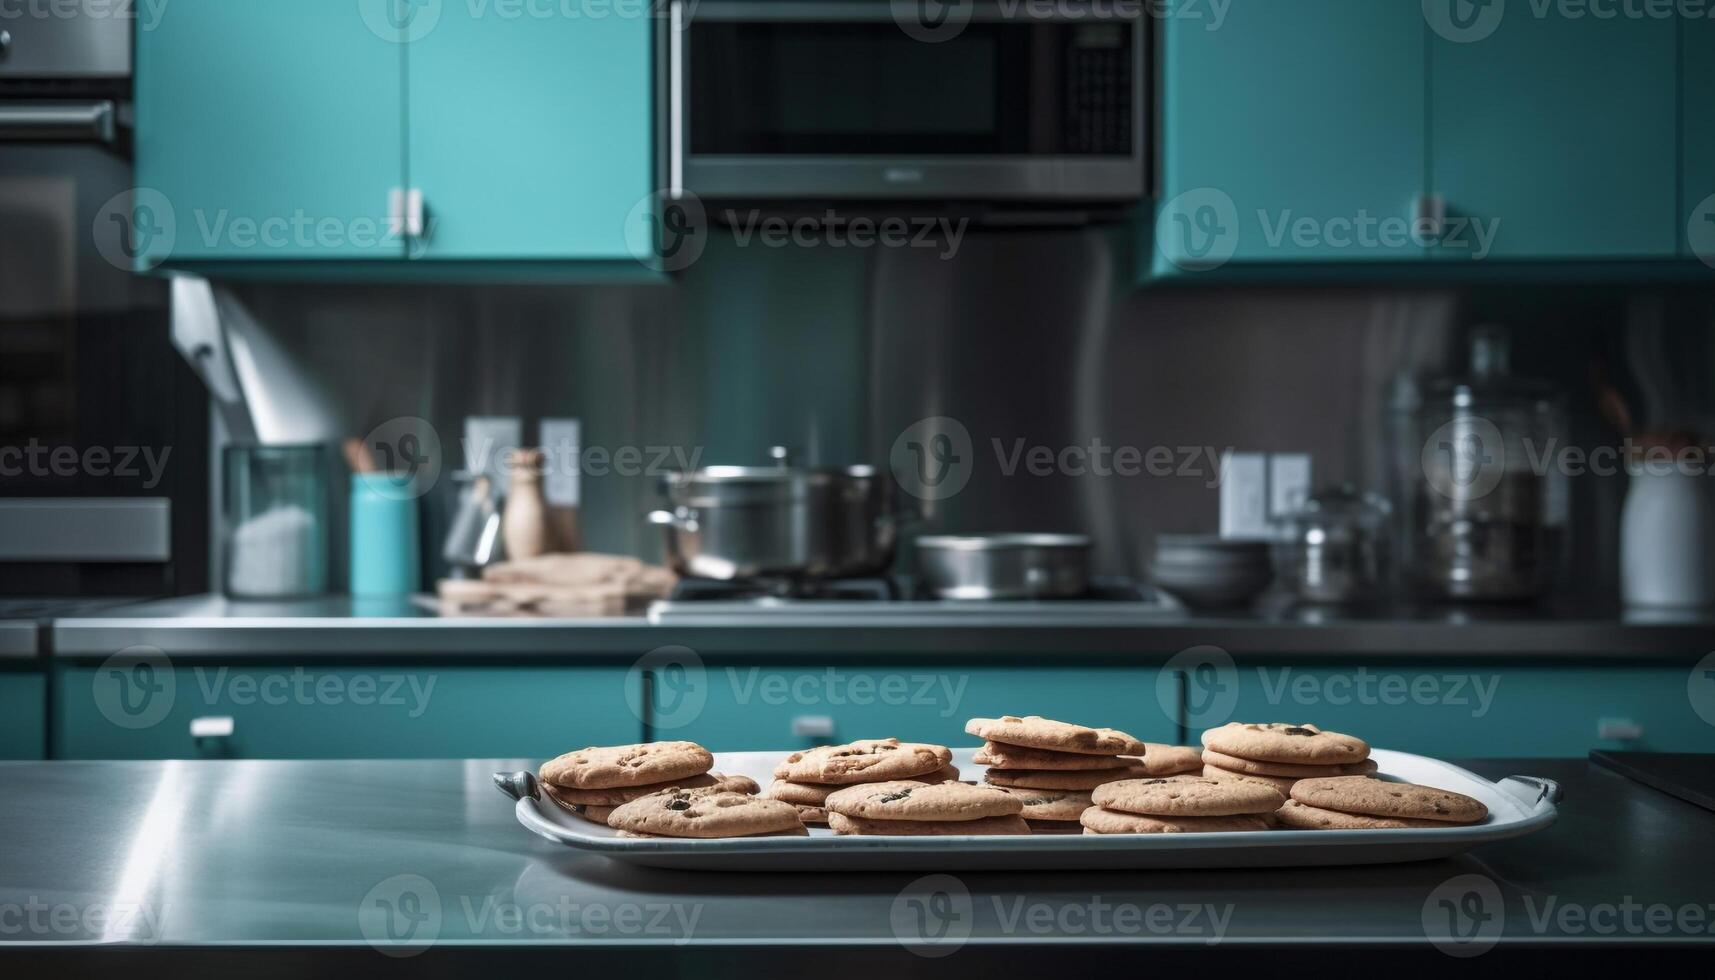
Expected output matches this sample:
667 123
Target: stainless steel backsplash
1029 339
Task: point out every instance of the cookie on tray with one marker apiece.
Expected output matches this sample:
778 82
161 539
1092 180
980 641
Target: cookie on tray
907 800
869 760
705 813
1168 760
1036 732
1303 745
1380 798
1097 820
1285 770
1002 756
1300 816
1049 805
1187 796
985 827
607 767
619 795
1086 779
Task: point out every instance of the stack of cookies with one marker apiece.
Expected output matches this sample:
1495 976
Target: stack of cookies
906 808
593 782
1279 754
1181 805
1363 803
806 779
1050 767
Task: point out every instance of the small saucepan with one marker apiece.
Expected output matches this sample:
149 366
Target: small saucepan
1004 566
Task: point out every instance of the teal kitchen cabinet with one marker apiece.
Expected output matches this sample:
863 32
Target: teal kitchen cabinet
529 136
383 710
1697 130
23 714
266 130
332 130
1465 709
737 705
1564 131
1288 130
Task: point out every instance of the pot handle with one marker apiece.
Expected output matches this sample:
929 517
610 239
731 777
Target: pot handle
682 520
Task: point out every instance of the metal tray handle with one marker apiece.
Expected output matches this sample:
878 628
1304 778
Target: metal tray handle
518 785
1532 790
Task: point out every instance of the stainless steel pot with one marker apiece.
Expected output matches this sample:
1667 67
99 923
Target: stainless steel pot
1004 566
757 522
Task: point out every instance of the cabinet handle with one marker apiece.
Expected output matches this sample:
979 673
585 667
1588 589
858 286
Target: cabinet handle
212 726
812 726
1619 730
415 223
676 99
1430 211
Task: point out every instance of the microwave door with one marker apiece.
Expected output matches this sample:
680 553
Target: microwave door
840 101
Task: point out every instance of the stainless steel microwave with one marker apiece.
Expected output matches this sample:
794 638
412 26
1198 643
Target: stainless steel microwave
1026 101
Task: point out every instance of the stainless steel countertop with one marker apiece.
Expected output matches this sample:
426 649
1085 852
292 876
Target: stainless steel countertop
194 853
341 627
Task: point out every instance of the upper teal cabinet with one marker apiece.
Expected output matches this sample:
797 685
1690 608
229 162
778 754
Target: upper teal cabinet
1697 128
389 129
1292 131
529 135
266 129
1558 133
1359 131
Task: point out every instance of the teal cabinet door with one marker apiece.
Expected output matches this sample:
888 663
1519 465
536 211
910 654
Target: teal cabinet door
1467 710
530 133
1557 136
267 130
380 711
23 714
764 706
1292 131
1697 129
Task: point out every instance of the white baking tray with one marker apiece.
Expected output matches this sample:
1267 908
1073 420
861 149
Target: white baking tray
1518 805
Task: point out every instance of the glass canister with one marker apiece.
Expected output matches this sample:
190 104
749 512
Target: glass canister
1339 550
1491 511
275 521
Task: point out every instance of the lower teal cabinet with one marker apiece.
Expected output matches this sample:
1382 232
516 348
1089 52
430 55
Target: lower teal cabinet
23 714
1466 710
403 710
734 706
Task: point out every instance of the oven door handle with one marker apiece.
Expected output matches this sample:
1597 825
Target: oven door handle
62 122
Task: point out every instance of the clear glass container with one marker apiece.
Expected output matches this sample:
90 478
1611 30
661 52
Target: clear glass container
1339 550
1490 513
275 521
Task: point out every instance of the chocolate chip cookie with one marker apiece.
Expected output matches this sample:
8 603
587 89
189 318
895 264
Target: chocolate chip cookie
1301 816
607 767
1379 798
705 813
1187 796
1036 732
985 826
864 761
906 800
1302 745
1097 820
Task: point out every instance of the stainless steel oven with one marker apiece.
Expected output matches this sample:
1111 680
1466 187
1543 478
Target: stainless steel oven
970 100
103 429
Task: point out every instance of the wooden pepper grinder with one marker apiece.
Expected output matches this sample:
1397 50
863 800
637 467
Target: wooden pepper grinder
524 522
